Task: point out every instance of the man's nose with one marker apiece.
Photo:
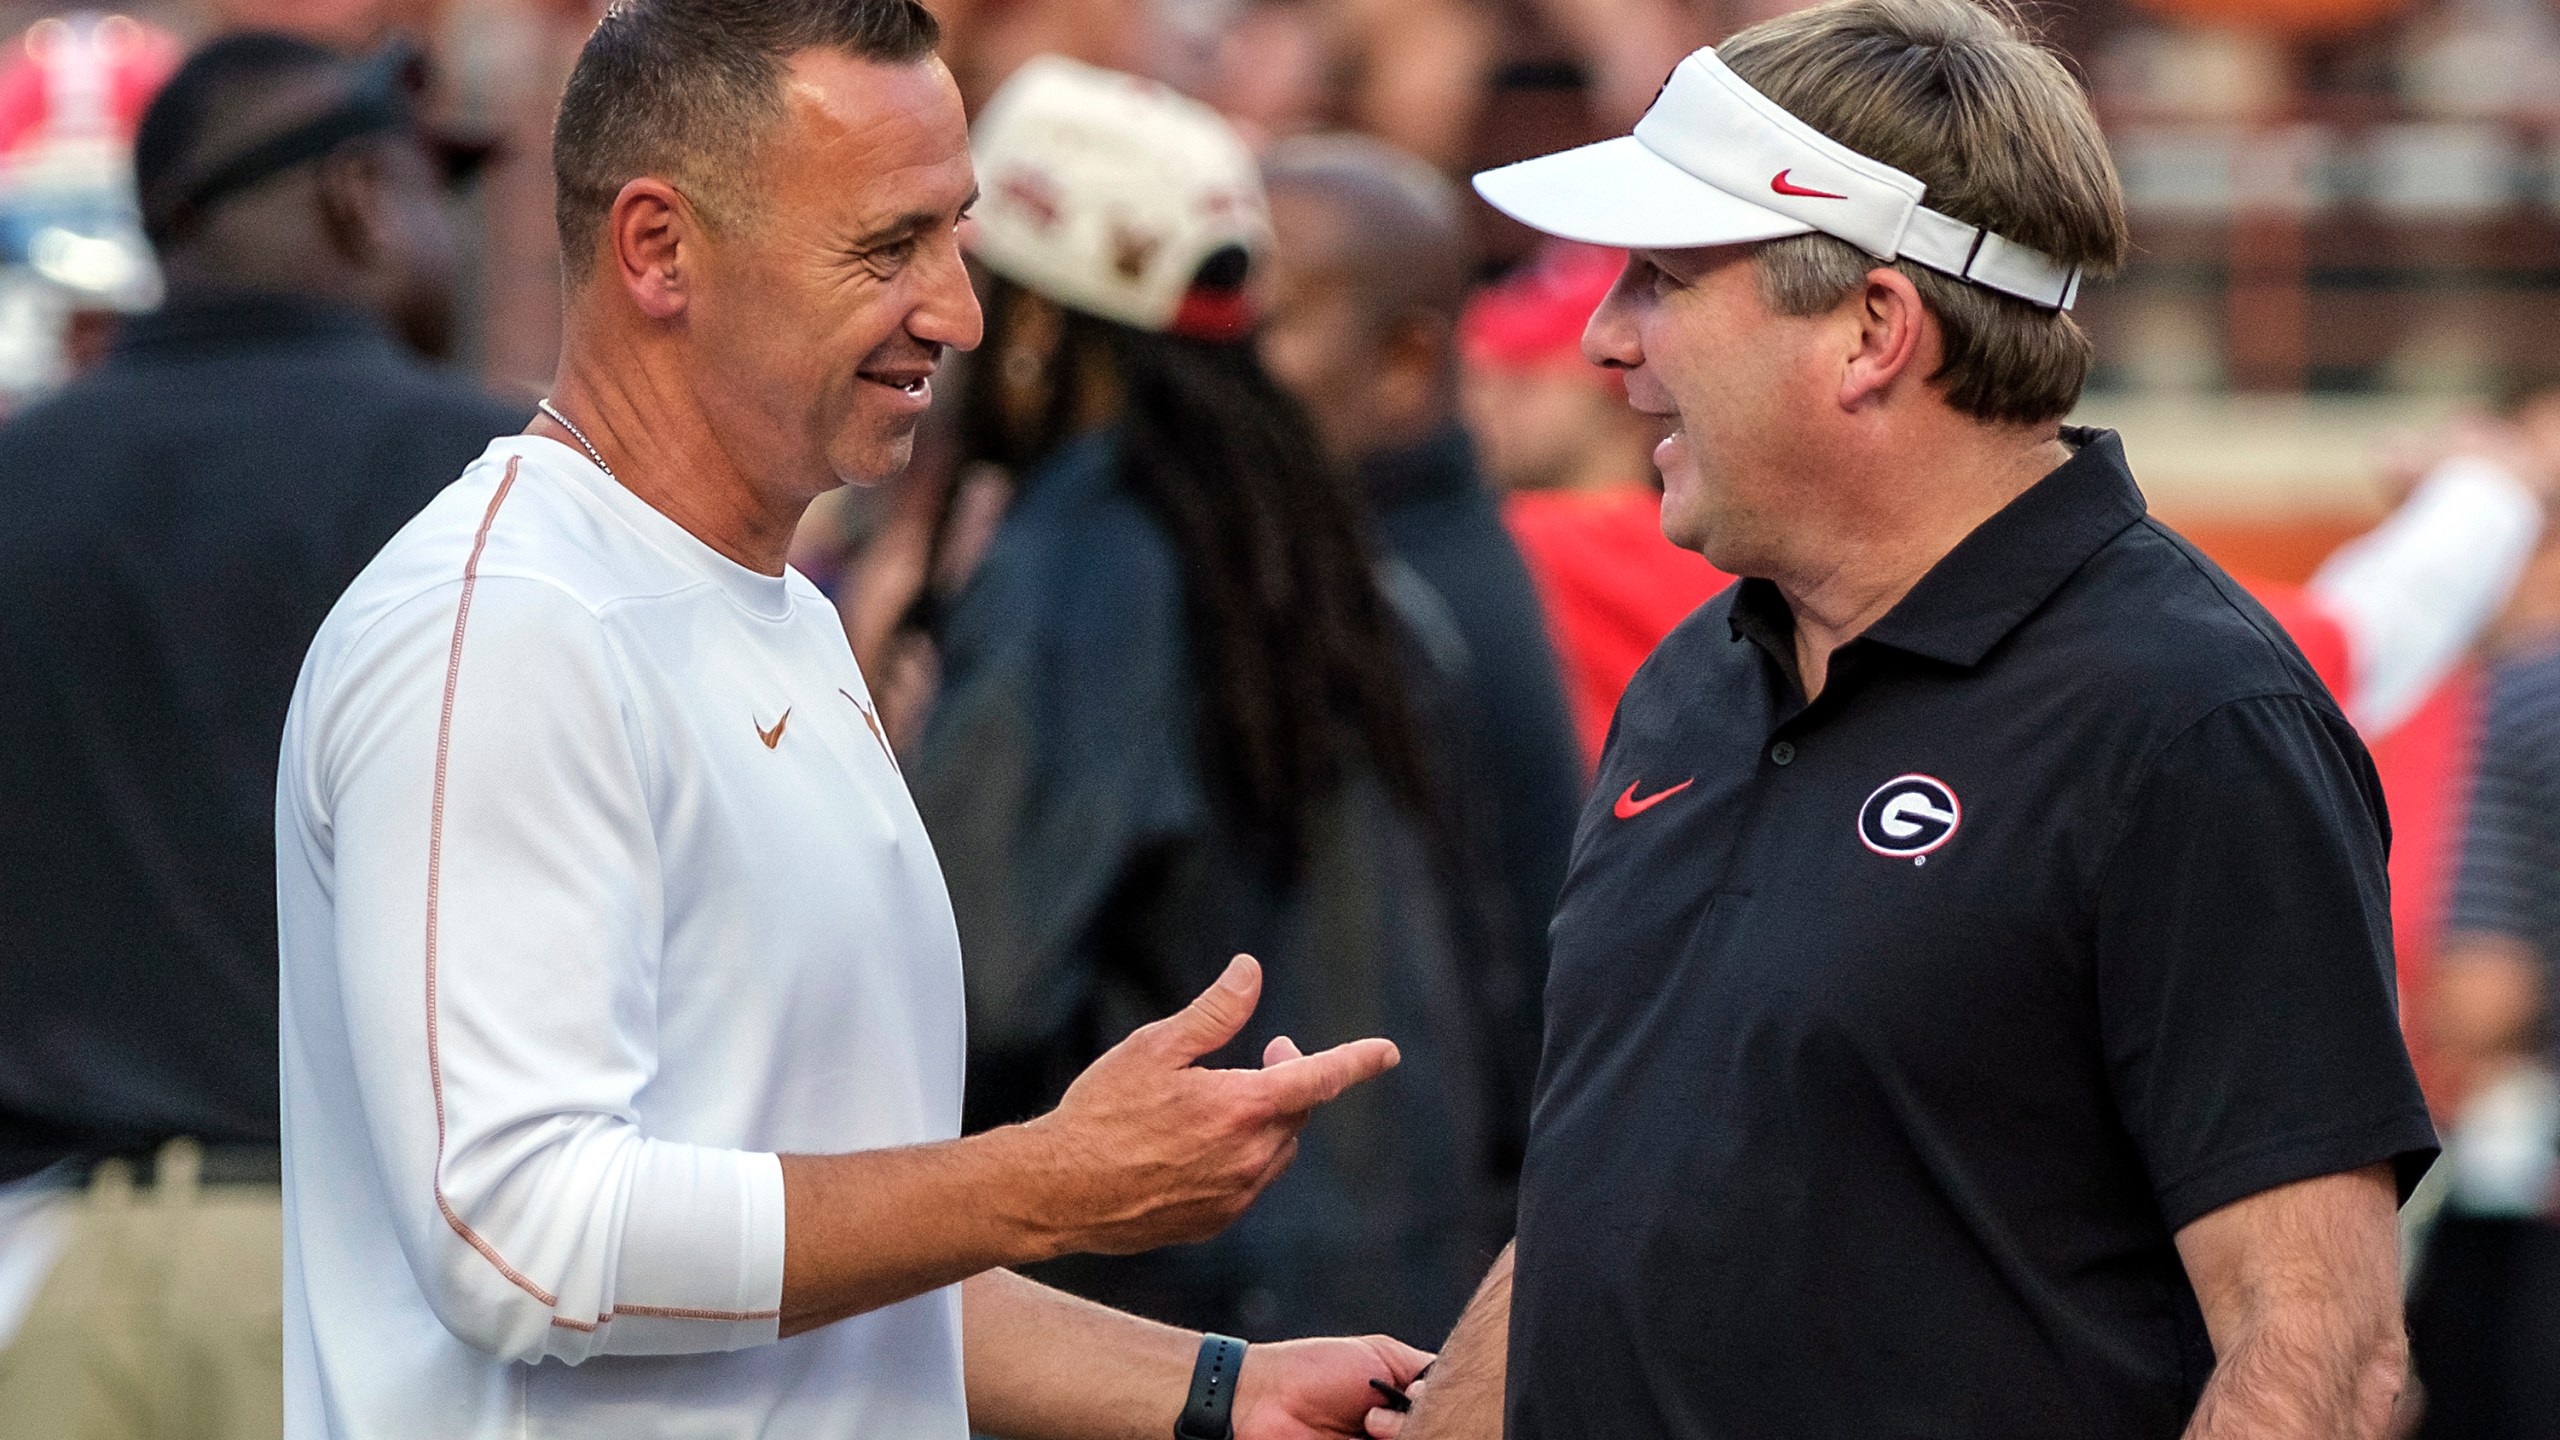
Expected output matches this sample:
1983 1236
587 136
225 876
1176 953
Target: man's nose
947 313
1609 337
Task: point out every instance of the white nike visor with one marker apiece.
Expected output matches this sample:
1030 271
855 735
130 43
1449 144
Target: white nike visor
1715 162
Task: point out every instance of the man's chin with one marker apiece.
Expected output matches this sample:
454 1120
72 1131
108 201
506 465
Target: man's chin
1684 521
876 460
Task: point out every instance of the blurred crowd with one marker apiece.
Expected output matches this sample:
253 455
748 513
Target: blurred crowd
1266 581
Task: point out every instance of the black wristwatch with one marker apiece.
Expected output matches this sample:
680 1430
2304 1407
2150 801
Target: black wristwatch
1210 1412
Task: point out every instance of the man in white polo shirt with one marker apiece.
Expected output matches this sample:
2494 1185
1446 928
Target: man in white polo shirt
621 1000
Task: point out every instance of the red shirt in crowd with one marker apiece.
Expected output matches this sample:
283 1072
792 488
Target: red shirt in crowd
1612 587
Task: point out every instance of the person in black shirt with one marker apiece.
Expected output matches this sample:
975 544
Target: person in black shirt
1971 1008
173 527
1180 717
1361 294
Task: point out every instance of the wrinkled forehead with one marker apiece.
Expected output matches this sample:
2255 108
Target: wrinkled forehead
866 143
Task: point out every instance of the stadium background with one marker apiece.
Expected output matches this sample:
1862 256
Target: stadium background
2347 218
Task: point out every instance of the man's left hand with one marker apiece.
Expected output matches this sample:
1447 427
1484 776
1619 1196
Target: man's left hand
1301 1389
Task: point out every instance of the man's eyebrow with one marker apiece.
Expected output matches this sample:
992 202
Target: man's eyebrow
911 224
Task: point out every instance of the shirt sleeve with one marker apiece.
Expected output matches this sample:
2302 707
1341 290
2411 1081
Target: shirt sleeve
498 913
2511 836
2244 969
2413 593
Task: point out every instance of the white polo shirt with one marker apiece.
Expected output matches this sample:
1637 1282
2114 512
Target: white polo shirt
598 888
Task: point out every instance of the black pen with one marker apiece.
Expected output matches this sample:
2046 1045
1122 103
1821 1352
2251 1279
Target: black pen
1396 1399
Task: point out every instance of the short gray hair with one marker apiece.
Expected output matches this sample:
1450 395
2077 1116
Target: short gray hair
1957 95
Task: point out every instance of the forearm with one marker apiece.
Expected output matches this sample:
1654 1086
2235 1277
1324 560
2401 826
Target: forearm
1463 1400
1044 1365
1147 1148
876 1227
2482 1005
2303 1382
2300 1287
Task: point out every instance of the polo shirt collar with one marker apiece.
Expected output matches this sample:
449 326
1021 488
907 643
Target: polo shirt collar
2001 573
224 323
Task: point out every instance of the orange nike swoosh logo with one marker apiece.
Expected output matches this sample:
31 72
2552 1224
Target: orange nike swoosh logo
773 736
1629 807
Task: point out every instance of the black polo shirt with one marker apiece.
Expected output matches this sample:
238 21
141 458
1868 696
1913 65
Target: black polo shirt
1891 1038
173 528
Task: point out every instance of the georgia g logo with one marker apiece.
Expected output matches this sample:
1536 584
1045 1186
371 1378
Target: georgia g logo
1909 816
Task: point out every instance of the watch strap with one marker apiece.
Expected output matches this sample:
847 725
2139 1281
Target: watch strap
1209 1413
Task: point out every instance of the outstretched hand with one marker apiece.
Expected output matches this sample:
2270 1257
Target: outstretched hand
1303 1389
1148 1148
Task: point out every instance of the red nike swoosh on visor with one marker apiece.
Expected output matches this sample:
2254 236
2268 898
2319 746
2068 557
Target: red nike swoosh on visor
1629 807
1783 186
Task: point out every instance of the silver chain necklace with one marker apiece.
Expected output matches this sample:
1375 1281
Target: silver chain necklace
544 404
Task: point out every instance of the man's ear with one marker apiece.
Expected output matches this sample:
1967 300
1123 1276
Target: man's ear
1417 354
347 186
1895 333
652 240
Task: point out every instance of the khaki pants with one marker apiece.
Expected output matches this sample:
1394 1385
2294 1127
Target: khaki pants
163 1319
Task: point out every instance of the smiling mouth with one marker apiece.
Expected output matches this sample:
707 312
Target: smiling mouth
913 387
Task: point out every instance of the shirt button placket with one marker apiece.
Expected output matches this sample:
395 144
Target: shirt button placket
1783 753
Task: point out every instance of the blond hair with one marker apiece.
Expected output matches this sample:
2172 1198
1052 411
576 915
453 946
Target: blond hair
1958 96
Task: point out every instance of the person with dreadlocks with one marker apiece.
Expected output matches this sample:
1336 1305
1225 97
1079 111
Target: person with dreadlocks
1184 712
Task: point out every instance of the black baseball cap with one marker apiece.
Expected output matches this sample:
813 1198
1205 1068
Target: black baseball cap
383 100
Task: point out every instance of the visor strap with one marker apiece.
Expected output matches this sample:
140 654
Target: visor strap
1982 257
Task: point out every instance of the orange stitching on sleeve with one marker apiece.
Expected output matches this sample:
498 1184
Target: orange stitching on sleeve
671 1312
435 881
435 875
660 1312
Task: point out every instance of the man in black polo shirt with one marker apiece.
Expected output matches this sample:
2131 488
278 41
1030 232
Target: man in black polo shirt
173 528
1971 1010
